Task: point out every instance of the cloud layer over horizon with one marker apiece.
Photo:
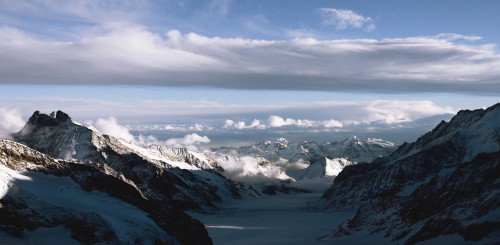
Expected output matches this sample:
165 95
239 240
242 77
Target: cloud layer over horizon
117 54
309 114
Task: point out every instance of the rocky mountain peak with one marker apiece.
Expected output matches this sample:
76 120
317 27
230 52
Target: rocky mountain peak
281 143
60 115
40 120
60 137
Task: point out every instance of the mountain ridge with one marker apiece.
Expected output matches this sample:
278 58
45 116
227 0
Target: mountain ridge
403 195
20 198
60 137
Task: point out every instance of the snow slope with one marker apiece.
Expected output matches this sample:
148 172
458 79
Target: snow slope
279 219
38 191
52 195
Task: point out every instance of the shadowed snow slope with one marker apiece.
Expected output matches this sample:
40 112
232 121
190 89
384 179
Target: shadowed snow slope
40 192
279 219
445 183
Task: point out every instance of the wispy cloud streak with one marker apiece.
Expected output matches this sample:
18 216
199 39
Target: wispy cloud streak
134 55
343 19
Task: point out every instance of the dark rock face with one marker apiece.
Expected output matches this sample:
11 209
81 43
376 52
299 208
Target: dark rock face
447 182
57 136
18 213
463 197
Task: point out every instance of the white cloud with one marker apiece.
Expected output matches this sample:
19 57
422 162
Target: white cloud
351 114
10 121
174 128
187 140
199 127
146 140
315 113
111 127
454 36
274 121
343 19
118 54
402 111
332 124
190 141
242 125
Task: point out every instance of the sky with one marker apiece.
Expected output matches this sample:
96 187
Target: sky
247 70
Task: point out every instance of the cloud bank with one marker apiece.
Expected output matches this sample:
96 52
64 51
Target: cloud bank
187 140
207 116
190 141
111 127
119 54
274 121
10 121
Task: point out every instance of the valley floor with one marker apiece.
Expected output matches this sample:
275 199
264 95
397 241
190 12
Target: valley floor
279 219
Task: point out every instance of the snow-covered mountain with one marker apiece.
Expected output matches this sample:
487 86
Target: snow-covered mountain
280 150
322 168
296 161
52 201
160 173
155 184
444 184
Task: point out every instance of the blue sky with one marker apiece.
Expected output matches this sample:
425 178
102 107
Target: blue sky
206 62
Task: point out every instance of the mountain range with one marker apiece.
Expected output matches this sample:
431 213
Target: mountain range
76 184
157 182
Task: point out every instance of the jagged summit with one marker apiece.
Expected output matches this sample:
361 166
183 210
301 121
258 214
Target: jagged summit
39 119
59 115
56 135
